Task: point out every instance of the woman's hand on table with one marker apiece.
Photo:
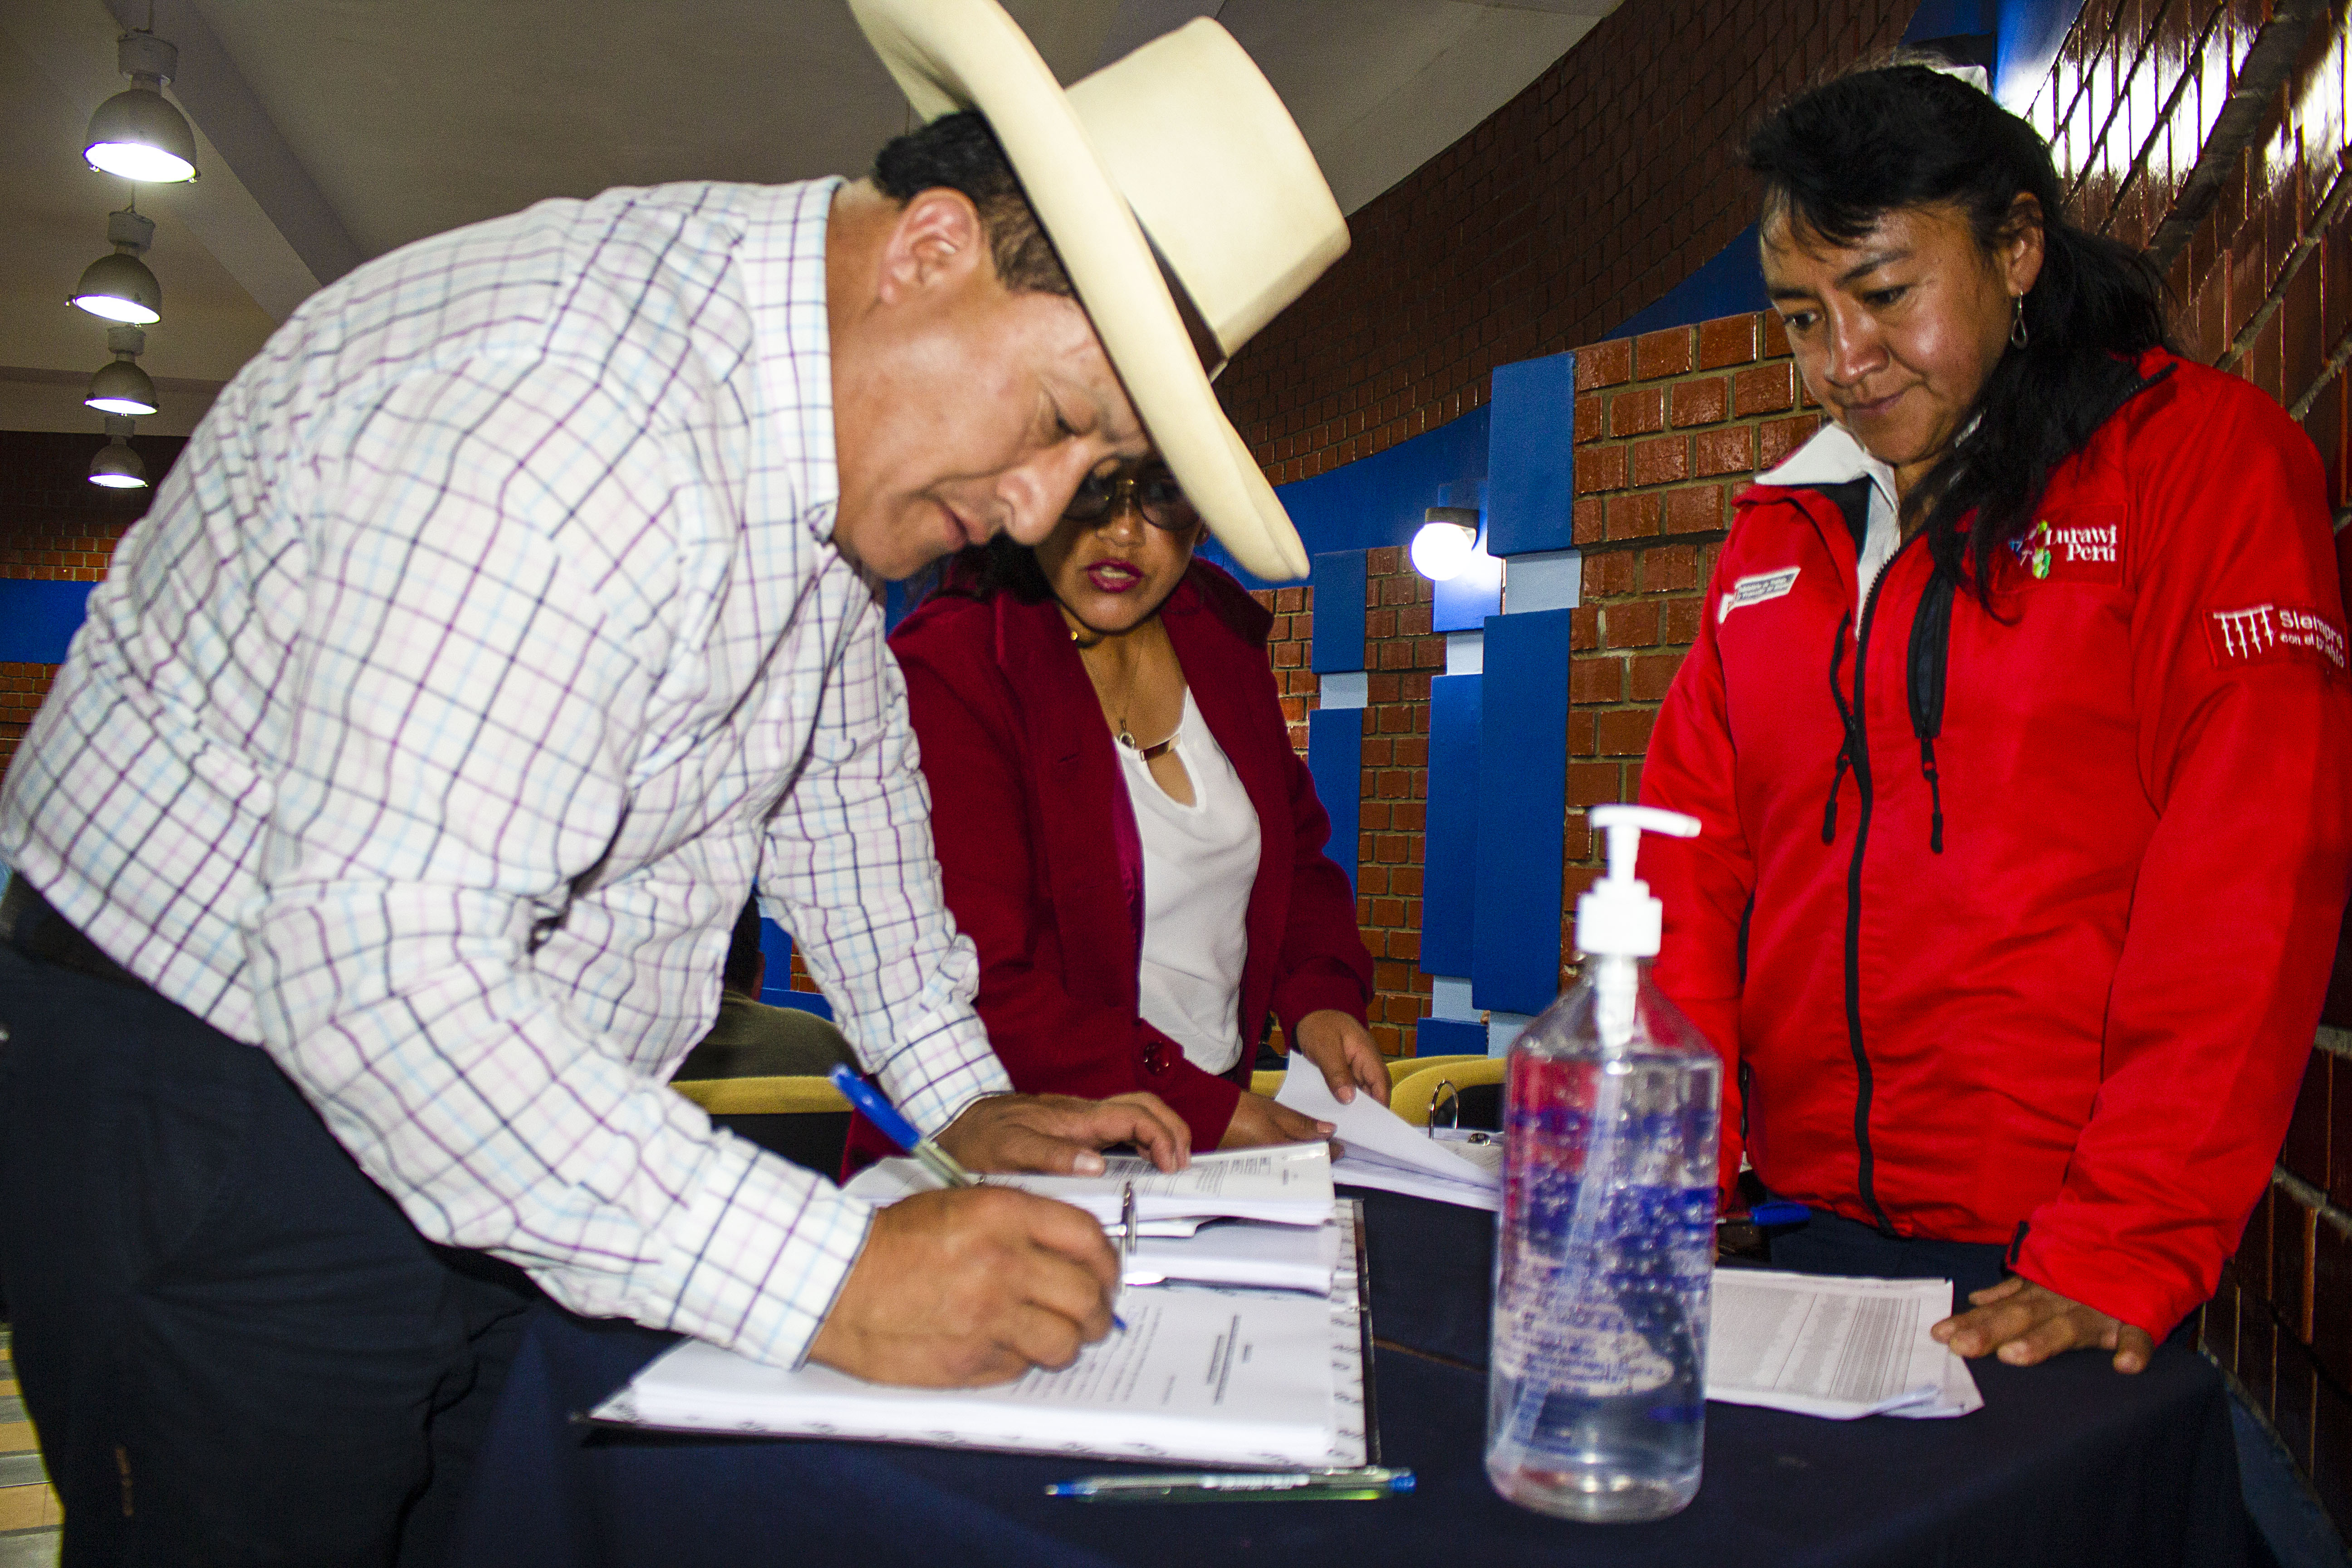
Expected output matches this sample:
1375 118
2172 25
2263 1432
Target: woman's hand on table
1258 1119
955 1290
1057 1134
2025 1323
1342 1049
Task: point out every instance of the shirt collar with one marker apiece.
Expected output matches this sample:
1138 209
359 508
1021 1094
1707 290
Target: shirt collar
783 258
1832 457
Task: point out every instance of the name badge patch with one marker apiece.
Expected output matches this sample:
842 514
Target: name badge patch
2268 634
1755 589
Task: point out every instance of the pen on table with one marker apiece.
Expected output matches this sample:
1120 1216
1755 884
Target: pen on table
899 1131
1778 1212
1367 1484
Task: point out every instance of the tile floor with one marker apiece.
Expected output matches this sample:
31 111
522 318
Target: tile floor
28 1509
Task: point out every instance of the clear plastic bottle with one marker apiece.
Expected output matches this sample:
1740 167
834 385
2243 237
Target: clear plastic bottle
1605 1245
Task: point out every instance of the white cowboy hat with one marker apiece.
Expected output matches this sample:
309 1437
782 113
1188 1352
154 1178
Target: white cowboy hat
1181 140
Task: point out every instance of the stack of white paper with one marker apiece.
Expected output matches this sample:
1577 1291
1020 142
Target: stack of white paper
1200 1249
1204 1376
1828 1345
1289 1183
1236 1252
1384 1151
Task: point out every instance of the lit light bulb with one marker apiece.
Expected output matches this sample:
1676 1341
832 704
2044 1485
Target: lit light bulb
1440 550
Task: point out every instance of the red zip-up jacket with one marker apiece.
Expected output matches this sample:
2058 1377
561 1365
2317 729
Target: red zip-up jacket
1042 864
2014 927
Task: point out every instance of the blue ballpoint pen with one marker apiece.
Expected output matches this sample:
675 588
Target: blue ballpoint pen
901 1132
929 1155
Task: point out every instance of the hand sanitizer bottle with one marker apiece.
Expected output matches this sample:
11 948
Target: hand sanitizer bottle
1604 1250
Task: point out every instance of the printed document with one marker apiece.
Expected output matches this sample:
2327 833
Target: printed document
1387 1152
1205 1251
1287 1184
1828 1345
1243 1378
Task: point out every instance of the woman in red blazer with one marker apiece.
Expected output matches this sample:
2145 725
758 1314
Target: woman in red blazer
1027 672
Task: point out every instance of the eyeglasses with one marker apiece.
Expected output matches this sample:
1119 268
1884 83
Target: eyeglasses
1153 491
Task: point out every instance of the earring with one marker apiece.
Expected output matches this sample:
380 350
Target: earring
2018 337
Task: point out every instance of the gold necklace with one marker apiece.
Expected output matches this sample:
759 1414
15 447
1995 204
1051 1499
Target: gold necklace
1125 736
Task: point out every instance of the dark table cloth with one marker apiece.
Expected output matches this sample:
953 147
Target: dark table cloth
2068 1464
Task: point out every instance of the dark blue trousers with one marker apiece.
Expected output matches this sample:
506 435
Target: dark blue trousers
234 1346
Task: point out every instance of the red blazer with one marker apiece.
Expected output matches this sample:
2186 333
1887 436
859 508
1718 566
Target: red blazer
1043 868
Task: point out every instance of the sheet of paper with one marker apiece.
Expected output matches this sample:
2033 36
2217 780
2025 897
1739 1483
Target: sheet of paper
1357 1170
1206 1377
1289 1183
888 1180
1367 1127
1240 1252
1832 1346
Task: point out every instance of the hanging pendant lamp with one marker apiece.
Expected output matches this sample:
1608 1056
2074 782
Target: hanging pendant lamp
123 387
115 465
118 288
137 133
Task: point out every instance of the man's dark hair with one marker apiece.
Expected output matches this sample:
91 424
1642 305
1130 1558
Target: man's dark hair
742 972
1838 159
960 152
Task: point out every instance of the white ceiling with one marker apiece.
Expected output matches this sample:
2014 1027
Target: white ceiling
332 131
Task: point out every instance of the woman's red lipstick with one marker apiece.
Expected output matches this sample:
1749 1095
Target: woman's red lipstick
1113 576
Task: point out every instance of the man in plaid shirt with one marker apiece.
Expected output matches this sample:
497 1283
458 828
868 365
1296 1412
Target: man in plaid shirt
510 618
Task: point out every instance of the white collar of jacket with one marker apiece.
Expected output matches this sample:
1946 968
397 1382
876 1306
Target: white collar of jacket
1832 457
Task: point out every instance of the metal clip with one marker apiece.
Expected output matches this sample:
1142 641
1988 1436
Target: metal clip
1450 1097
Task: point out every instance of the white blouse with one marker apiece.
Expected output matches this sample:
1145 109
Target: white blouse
1198 861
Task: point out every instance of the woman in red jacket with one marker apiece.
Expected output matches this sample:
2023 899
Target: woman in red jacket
2018 725
1126 833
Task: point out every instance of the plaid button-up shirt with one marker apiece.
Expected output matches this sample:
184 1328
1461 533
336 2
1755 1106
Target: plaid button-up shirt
484 643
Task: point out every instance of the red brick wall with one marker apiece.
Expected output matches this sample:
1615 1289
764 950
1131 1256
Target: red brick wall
1668 426
1401 655
56 526
1603 185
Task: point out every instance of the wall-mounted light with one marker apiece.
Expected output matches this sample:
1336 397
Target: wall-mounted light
115 465
123 387
118 286
1448 540
137 133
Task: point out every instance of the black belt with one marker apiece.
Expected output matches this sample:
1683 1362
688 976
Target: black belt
29 925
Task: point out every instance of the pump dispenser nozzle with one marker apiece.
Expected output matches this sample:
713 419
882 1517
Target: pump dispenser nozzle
1618 916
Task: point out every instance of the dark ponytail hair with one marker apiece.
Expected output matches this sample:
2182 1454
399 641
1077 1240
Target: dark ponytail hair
1841 156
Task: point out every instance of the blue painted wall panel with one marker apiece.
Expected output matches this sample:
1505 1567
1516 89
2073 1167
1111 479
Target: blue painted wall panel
1463 603
776 980
1335 755
1522 811
1448 1037
1449 878
776 947
1339 579
1728 283
1531 456
37 620
1377 501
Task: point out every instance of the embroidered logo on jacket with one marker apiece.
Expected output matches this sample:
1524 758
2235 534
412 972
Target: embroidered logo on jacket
2265 634
1756 589
2090 552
